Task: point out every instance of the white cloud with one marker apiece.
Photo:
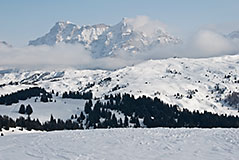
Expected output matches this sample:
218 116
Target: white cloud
145 24
59 56
210 43
203 44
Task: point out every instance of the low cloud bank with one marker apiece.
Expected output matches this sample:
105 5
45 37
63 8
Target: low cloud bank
205 43
59 56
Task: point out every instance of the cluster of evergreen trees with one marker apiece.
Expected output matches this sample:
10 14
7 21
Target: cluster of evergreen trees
46 97
6 122
99 117
25 110
152 112
9 99
29 124
126 111
78 95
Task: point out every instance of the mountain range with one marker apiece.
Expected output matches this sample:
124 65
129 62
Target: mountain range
104 40
196 84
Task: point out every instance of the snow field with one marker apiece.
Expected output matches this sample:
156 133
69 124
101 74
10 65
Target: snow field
118 144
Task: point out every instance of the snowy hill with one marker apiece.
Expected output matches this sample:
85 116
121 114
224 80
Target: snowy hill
118 144
196 84
104 40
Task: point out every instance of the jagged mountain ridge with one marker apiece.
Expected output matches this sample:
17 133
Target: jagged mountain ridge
68 32
104 40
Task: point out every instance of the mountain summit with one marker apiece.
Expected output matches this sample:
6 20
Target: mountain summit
68 32
131 35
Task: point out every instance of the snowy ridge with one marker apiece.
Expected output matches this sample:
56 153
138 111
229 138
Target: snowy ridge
196 84
68 32
104 40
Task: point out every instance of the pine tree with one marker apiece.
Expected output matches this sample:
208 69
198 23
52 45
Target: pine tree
82 116
137 124
22 109
126 121
114 121
29 110
44 98
88 106
52 118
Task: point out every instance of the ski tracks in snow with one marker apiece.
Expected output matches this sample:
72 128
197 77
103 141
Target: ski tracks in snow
117 144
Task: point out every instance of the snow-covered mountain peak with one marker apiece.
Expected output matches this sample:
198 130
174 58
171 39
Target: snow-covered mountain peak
63 23
130 35
126 23
142 25
68 32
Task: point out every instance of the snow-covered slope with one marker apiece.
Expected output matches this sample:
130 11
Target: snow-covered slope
104 40
59 108
118 144
196 84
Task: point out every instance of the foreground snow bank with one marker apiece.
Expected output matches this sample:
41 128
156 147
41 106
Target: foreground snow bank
121 144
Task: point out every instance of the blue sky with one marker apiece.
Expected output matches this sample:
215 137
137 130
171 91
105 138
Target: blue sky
24 20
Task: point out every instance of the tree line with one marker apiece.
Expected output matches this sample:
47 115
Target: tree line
6 122
24 94
78 95
151 113
121 111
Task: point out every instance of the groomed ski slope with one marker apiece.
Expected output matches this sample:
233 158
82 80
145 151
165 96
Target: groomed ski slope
122 144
